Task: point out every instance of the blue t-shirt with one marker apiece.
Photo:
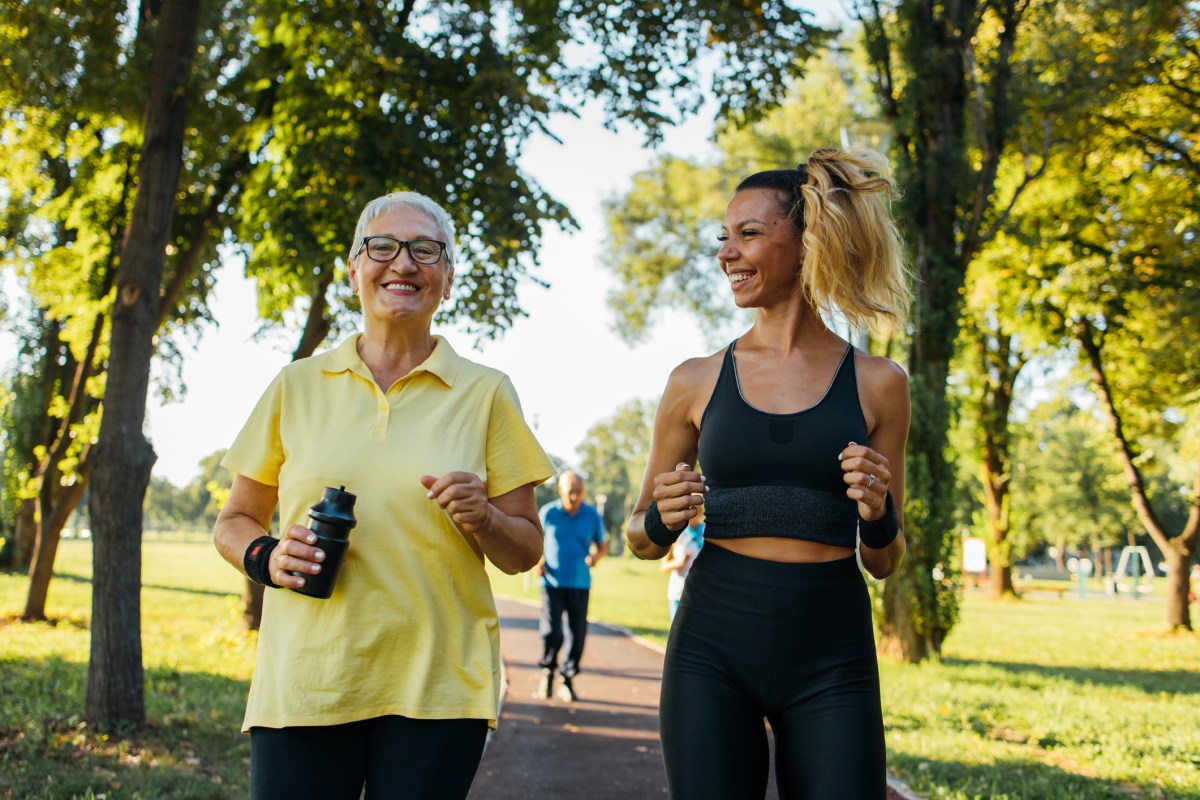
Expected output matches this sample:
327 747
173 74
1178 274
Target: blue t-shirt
568 542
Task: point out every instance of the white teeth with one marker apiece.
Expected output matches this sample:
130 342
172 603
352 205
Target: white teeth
738 277
407 287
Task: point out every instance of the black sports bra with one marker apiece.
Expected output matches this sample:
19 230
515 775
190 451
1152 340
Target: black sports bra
779 474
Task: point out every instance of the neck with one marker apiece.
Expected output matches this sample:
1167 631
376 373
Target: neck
792 326
391 354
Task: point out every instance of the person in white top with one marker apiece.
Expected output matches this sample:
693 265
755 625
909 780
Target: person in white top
680 559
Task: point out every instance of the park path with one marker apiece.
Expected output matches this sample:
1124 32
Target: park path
604 747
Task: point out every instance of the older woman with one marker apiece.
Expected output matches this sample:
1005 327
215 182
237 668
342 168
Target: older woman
393 681
801 439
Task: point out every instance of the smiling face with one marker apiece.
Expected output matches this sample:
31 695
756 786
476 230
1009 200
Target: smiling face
400 289
760 249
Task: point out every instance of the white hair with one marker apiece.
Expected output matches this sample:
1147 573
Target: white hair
411 200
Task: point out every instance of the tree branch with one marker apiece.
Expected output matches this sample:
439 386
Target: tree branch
1029 178
1086 336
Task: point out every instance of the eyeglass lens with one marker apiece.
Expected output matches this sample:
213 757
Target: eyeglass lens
385 248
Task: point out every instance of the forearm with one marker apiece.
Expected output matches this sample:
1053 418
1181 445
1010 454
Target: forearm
512 543
600 552
883 562
232 535
639 541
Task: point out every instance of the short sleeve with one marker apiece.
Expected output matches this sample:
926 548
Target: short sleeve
514 457
257 452
598 534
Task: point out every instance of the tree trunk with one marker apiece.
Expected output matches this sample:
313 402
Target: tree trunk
1179 612
252 604
49 533
897 638
316 324
123 458
930 123
24 534
56 502
998 371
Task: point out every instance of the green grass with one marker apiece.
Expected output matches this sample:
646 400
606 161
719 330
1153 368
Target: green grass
197 661
1038 699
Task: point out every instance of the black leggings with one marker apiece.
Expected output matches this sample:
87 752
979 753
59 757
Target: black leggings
395 757
792 643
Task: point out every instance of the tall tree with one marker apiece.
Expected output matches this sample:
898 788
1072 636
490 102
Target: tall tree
1118 272
614 454
123 455
965 97
937 66
72 121
1099 50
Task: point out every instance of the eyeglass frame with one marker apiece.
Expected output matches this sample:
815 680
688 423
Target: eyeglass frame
402 244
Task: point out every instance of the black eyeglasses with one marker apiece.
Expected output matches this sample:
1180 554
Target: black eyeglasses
386 248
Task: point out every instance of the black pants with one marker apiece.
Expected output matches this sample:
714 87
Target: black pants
556 602
791 643
396 758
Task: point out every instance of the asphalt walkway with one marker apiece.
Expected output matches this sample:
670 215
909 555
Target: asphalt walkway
603 747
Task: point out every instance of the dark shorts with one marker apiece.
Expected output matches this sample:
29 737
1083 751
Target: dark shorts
394 757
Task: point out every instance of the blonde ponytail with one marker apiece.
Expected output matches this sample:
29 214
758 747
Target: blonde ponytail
853 255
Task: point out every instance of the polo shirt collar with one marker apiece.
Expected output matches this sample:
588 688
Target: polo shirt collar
443 363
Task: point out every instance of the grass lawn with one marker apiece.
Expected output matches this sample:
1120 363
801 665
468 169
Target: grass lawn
1042 699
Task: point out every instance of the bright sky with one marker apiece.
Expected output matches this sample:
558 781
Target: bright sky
569 367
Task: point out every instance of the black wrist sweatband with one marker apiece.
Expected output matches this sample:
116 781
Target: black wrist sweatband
257 561
879 533
658 532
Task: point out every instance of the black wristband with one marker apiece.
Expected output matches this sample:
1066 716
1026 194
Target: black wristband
656 529
257 561
879 533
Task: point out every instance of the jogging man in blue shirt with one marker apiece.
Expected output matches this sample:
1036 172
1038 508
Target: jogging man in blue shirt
574 543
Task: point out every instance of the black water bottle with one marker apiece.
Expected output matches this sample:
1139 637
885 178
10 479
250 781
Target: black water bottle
331 520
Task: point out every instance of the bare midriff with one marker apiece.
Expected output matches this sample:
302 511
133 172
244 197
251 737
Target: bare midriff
790 551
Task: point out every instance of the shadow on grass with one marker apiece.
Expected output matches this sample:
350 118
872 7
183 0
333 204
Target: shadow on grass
1012 779
191 748
1150 681
66 576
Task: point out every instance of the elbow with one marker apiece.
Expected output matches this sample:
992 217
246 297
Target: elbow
645 549
222 536
517 563
529 557
529 562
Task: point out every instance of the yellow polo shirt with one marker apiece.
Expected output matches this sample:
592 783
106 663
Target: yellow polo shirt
411 628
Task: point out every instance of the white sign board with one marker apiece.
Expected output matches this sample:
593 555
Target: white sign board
974 554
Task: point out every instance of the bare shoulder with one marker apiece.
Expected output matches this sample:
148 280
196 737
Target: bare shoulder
691 384
697 371
882 391
880 373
